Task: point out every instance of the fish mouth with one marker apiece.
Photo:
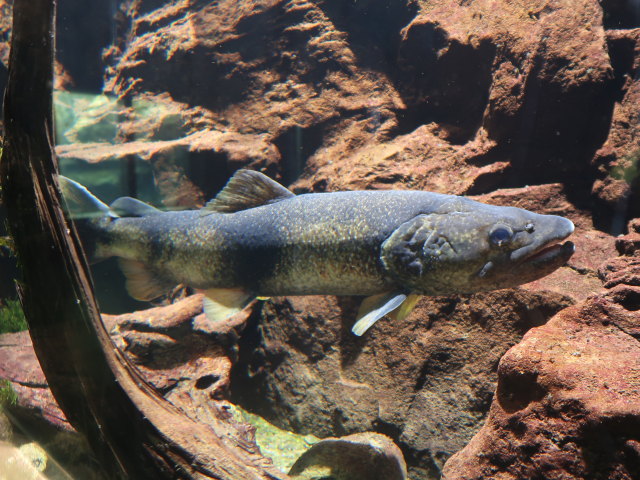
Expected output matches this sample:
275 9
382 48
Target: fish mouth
550 253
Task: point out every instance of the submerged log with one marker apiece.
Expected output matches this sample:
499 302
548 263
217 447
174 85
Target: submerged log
133 431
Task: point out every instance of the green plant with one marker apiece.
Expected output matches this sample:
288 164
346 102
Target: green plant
6 243
12 318
8 396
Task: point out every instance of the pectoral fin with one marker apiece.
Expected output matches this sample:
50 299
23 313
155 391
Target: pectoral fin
221 303
374 308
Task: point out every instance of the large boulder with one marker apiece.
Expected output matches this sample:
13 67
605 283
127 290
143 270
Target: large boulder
567 404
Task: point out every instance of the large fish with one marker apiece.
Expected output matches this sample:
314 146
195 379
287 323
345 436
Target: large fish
258 239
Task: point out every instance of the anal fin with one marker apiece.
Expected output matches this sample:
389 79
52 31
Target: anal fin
374 308
142 283
221 303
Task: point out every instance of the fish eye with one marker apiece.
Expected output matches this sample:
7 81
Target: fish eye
500 236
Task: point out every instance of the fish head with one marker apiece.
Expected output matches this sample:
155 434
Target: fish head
477 249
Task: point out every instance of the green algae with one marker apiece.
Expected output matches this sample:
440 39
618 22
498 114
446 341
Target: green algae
282 446
8 396
12 317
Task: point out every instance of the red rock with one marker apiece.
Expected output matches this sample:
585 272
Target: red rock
426 382
567 405
19 365
463 100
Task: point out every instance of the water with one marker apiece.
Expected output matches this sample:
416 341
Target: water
520 104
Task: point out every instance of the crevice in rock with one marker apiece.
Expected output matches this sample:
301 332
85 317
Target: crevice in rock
606 447
558 133
296 145
373 27
206 381
621 54
82 33
251 371
629 298
444 81
516 390
619 14
209 171
486 182
389 429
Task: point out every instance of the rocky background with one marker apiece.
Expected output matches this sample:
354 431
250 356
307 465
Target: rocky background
532 104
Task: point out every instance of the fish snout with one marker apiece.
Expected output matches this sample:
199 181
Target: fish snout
548 231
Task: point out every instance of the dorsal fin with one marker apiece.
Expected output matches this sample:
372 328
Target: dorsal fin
247 189
131 207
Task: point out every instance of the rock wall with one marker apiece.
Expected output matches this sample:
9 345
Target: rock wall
462 98
532 104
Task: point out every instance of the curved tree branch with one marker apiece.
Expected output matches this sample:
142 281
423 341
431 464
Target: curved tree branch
134 432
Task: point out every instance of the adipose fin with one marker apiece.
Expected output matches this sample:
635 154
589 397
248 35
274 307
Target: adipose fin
131 207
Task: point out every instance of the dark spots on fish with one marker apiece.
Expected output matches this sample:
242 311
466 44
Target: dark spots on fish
160 248
256 264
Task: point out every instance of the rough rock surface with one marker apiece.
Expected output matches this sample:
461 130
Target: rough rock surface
617 161
427 382
176 349
362 456
447 96
19 365
567 404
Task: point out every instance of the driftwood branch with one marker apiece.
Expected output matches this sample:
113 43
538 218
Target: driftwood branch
134 432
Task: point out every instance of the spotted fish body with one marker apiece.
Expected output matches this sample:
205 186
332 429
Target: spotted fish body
258 239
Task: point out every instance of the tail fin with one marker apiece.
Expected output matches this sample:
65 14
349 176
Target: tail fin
87 211
81 203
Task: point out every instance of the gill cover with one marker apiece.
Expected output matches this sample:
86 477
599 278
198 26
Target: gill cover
416 247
